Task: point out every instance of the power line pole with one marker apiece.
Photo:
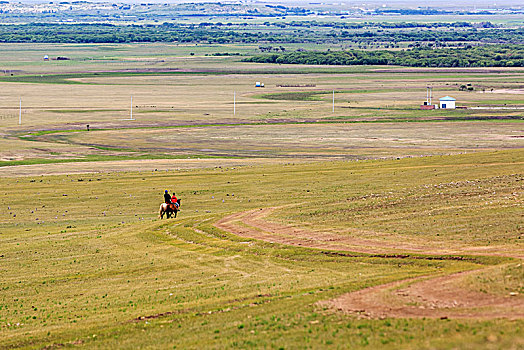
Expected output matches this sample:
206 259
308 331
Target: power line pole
20 113
131 108
333 100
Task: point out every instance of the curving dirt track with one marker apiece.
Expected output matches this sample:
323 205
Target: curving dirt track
416 297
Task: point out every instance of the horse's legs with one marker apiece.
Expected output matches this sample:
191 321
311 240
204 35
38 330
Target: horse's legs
176 211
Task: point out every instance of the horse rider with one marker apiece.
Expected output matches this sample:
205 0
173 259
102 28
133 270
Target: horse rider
167 197
174 200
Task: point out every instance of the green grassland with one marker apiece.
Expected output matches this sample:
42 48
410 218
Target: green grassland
85 261
85 258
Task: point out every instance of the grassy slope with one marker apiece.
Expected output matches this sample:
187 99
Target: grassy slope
81 267
426 201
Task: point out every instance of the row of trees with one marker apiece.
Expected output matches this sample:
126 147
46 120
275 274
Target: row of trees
514 36
386 25
486 56
243 33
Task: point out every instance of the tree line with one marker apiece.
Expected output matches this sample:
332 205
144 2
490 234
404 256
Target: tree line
251 33
485 56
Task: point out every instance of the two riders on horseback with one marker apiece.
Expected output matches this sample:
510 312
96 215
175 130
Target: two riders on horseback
171 205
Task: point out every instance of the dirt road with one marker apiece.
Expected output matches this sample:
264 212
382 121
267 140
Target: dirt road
430 296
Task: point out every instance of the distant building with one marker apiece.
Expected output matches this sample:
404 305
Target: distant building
447 102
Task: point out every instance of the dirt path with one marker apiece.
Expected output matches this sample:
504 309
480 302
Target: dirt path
415 297
432 297
253 224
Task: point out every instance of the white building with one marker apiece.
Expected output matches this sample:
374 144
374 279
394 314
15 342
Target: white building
447 102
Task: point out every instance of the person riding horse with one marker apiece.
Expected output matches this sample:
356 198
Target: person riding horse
167 197
171 205
174 200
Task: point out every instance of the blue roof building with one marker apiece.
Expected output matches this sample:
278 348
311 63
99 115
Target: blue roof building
447 102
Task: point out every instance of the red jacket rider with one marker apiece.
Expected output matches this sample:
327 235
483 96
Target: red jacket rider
174 200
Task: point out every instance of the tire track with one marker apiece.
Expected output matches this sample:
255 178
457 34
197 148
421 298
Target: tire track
428 296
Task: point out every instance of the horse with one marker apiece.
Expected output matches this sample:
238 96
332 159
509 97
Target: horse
168 209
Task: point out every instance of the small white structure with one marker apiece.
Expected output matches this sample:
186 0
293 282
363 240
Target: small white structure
259 84
46 58
447 102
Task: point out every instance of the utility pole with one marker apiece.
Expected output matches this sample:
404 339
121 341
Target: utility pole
131 118
429 95
333 100
20 113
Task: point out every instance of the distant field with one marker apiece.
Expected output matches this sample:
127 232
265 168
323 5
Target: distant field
334 140
170 88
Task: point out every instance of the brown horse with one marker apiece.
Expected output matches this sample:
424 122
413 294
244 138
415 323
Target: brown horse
168 209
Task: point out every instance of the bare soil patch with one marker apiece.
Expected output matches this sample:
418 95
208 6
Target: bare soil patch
427 297
127 165
505 91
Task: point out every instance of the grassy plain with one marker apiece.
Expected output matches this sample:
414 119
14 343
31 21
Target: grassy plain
174 89
81 268
85 262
